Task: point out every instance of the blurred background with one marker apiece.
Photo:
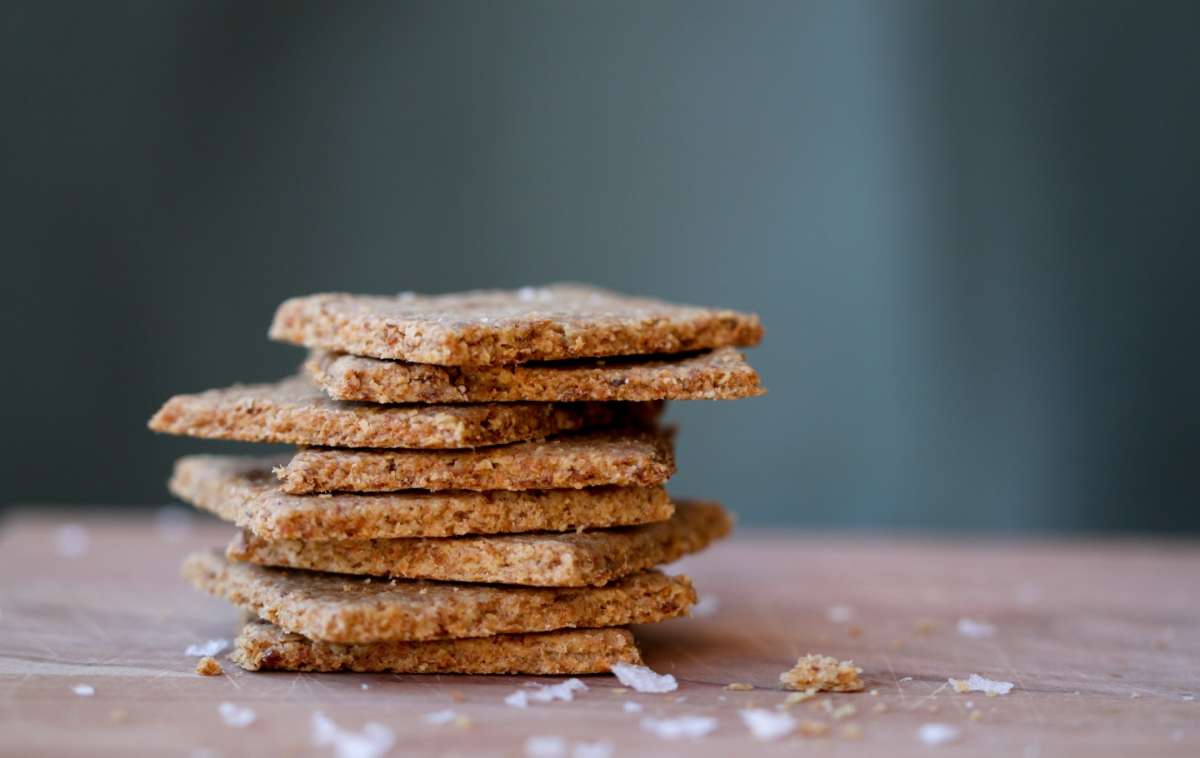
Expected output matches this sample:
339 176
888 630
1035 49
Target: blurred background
970 227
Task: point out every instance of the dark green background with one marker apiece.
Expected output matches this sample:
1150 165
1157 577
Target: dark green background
970 227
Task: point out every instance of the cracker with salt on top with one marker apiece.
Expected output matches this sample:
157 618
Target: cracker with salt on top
243 490
576 559
721 374
499 327
347 609
262 646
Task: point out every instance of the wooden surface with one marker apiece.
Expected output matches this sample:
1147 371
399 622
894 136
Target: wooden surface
1102 640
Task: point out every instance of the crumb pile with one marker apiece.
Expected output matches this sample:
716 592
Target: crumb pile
478 485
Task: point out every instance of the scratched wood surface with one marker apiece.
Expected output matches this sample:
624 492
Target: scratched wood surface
1101 638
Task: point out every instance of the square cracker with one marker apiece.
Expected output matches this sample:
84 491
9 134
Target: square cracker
243 490
263 647
627 457
721 374
346 609
495 327
294 411
542 560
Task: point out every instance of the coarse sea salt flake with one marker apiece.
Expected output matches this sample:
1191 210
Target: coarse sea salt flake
373 741
440 717
767 725
683 727
212 647
632 707
600 749
235 715
84 690
542 693
545 746
978 630
937 734
977 683
643 679
839 614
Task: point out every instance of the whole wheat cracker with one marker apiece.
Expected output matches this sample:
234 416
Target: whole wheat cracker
628 457
294 411
543 560
344 609
721 374
243 490
495 327
263 647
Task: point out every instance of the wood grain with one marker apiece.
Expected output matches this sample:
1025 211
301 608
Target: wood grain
1102 639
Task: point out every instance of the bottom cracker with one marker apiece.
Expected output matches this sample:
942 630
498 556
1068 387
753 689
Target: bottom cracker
262 646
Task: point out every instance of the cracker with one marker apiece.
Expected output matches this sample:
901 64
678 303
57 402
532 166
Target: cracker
632 457
345 609
494 327
294 411
243 490
721 374
544 560
263 647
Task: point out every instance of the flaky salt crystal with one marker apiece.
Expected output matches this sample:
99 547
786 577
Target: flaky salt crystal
977 683
632 707
212 647
440 717
373 741
600 749
541 693
544 746
84 690
975 629
234 715
937 734
643 679
683 727
767 725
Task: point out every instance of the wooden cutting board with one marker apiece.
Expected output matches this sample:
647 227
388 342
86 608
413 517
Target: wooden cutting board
1101 639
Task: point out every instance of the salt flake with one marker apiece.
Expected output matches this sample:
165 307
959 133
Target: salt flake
632 707
440 717
937 734
975 629
977 683
373 741
839 614
84 690
683 727
236 716
542 693
72 540
542 746
212 647
600 749
767 725
643 679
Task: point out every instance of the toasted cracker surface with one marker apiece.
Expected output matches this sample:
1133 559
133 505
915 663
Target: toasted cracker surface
493 327
544 560
294 411
348 609
630 457
722 374
243 490
262 647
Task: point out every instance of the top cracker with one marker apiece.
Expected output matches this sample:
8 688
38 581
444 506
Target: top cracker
497 327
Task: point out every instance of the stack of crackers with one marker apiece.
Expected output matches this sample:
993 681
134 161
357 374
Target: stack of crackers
478 486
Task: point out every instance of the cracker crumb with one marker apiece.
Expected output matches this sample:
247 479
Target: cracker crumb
824 673
767 725
975 715
619 690
925 627
937 734
852 732
897 644
208 666
683 727
810 728
462 722
457 696
739 686
642 679
855 631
